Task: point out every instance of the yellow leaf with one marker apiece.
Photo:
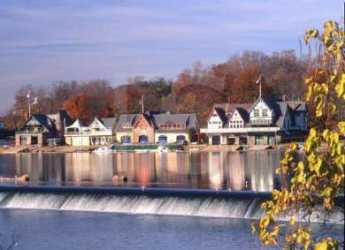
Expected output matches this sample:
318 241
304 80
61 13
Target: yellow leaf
312 33
341 126
264 222
293 220
324 88
253 228
340 87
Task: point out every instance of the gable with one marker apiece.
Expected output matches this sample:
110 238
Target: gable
260 109
75 124
142 123
39 120
97 124
236 116
33 122
214 116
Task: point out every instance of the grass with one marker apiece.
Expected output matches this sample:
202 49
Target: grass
143 147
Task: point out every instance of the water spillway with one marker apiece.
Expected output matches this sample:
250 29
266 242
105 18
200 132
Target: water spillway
149 201
135 204
135 201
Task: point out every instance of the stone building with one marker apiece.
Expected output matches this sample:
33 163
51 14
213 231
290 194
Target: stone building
152 128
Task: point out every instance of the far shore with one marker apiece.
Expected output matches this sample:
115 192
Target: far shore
189 148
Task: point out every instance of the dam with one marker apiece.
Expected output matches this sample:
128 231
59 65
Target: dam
167 201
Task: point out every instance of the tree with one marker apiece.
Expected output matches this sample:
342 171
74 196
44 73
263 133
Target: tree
78 107
317 181
199 100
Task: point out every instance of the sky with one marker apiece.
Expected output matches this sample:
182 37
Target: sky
45 41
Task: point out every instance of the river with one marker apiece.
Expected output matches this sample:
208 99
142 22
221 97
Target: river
233 171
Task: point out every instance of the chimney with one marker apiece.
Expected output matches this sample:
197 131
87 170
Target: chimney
284 98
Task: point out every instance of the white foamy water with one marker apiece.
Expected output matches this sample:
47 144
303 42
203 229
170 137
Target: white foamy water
248 208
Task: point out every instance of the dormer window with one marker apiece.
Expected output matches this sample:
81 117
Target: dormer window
256 113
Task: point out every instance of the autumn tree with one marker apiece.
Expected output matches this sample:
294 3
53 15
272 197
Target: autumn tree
199 100
317 181
78 107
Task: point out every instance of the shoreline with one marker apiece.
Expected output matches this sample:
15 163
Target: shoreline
188 148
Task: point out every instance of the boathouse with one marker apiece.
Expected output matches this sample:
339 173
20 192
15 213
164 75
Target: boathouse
98 132
264 122
156 128
41 129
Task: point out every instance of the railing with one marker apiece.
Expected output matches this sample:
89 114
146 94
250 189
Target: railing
90 133
238 130
261 121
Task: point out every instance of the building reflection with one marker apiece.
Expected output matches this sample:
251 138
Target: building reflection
251 170
101 167
216 170
261 169
31 165
236 172
195 172
78 168
125 168
144 169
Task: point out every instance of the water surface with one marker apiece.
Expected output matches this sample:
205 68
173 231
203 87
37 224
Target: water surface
234 171
88 231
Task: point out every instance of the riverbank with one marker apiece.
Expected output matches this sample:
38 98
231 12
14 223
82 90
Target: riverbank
189 148
46 149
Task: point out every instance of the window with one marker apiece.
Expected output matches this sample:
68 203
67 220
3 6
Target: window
180 139
264 112
125 139
162 139
256 112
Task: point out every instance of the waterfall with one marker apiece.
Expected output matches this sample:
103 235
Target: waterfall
224 207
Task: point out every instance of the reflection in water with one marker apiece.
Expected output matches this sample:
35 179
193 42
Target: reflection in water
144 170
216 170
262 178
236 175
252 170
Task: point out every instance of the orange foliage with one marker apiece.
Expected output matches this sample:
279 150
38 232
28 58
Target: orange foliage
79 107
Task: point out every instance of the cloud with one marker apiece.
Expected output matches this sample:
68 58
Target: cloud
46 41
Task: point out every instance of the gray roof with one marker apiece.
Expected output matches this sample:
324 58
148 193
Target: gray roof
124 120
221 113
109 122
187 120
297 105
43 120
243 113
280 111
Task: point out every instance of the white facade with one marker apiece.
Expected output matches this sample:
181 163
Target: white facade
261 114
214 121
236 120
94 134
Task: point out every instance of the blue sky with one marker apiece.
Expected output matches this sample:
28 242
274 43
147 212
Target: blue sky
44 41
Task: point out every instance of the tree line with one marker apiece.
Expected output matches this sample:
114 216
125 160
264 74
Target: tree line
194 90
